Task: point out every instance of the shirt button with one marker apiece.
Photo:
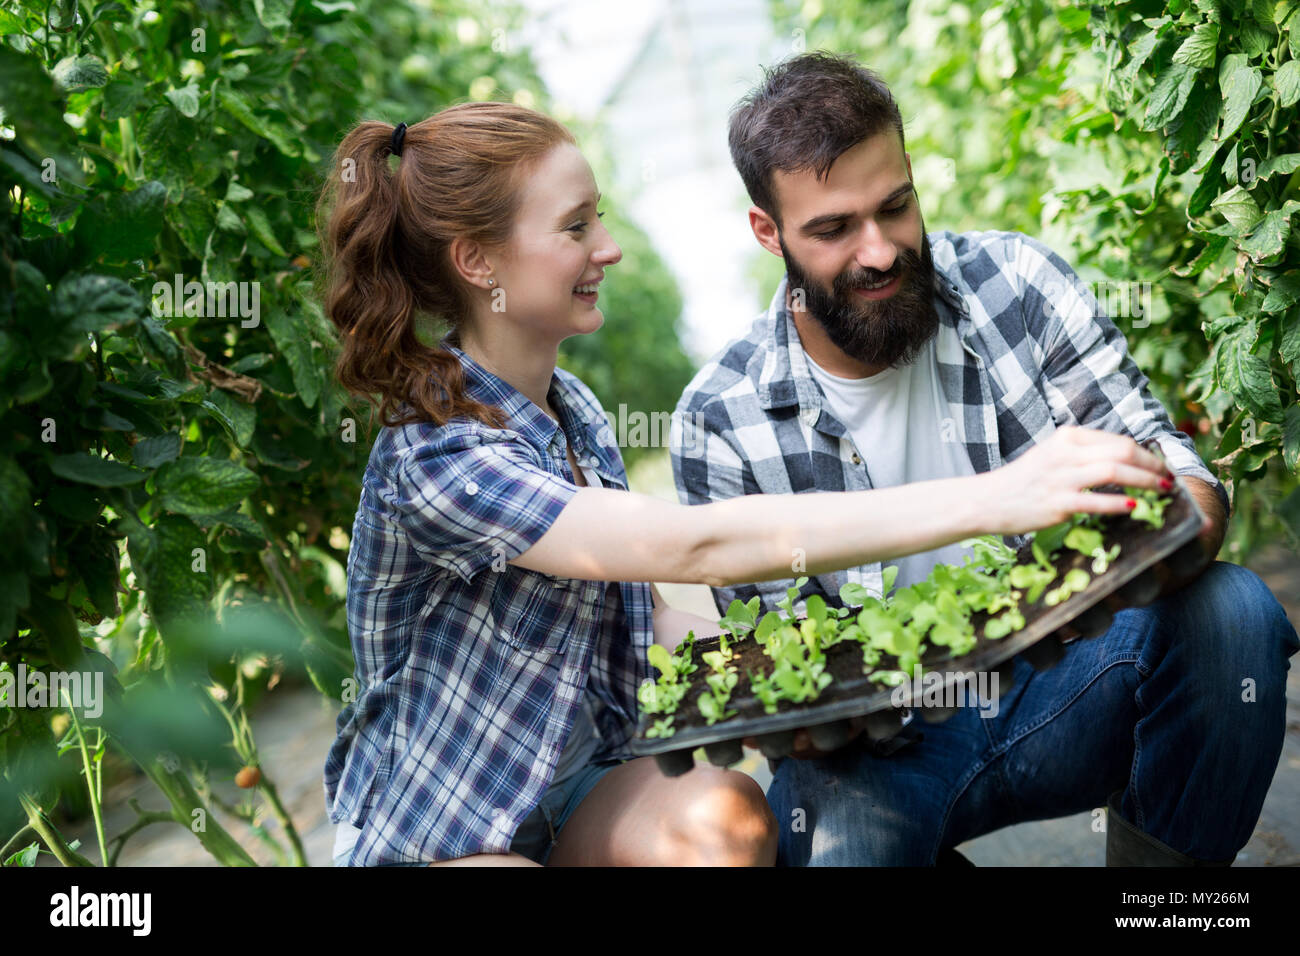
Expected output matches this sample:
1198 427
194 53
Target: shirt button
857 459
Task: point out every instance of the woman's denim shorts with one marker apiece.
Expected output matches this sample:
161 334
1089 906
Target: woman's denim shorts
537 834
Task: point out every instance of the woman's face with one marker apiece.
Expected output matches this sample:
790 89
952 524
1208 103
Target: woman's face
558 244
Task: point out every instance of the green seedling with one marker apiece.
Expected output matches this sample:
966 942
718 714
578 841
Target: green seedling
1033 578
712 711
791 595
663 727
1088 542
766 692
1075 581
1004 624
991 553
739 621
1150 508
767 627
890 677
716 660
665 694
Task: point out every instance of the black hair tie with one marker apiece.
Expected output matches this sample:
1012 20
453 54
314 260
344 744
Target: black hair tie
399 134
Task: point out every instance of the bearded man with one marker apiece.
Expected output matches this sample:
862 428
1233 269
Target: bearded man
891 355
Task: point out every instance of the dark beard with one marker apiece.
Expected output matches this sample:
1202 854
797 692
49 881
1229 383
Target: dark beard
886 332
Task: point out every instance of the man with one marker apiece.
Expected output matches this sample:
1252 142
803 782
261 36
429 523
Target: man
890 356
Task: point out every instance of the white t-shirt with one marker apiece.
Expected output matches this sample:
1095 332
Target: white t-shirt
903 429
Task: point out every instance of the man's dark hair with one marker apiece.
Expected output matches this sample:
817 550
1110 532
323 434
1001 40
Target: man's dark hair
807 111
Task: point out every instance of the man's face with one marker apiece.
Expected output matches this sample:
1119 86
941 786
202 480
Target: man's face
858 227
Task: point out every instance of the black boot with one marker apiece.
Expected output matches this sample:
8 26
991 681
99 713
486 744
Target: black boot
1126 845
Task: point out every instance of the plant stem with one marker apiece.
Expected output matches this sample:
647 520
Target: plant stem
273 798
14 841
143 819
36 820
91 776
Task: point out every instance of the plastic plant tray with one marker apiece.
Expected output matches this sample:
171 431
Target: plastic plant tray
1130 581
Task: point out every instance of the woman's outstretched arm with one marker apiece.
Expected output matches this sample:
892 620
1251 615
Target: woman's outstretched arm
609 535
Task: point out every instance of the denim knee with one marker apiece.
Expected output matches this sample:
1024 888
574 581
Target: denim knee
1236 625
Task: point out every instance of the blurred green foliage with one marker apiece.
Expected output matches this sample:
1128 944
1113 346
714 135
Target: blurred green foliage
177 485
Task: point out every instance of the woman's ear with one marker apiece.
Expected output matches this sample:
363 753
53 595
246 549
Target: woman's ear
470 260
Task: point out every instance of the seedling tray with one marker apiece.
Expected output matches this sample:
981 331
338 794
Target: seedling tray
853 699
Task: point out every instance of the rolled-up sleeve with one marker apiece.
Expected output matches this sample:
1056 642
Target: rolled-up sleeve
1089 377
467 503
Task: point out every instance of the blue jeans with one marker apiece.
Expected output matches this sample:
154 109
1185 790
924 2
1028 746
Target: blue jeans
1181 705
537 834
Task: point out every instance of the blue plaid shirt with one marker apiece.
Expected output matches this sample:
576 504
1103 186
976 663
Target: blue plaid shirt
471 670
1022 346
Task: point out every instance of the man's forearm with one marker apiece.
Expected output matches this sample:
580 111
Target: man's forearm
1210 536
1216 526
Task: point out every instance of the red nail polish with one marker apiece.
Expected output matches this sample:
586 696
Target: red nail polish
1130 504
1166 484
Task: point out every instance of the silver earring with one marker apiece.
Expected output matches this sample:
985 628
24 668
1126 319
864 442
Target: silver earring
492 281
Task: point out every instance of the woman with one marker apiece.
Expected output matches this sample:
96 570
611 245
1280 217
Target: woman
497 655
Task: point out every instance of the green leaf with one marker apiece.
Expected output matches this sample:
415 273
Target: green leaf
1286 163
176 586
1201 47
53 619
122 226
25 857
1239 208
186 99
1291 437
1239 84
237 193
1245 375
294 342
1284 291
15 495
1143 47
1193 128
124 96
95 303
1210 252
97 563
887 578
1169 95
1289 347
273 14
78 73
238 107
152 452
261 228
1271 234
238 418
1287 83
90 469
203 486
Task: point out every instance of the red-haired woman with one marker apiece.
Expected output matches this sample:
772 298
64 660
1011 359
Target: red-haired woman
496 603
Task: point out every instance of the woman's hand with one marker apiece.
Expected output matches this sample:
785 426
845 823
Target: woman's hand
1045 485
